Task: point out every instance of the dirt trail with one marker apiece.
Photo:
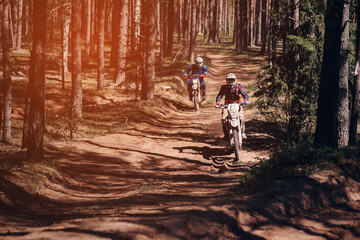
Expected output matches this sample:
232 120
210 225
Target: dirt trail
165 179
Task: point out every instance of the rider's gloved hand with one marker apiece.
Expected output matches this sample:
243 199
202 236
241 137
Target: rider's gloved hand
217 103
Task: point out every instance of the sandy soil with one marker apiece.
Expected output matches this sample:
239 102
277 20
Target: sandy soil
172 178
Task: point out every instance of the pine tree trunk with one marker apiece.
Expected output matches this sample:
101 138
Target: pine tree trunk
186 25
6 81
211 21
19 28
237 29
200 17
76 59
120 64
14 6
65 42
35 141
165 28
243 24
219 10
251 23
264 28
93 28
27 17
88 27
148 84
355 90
206 19
274 32
192 31
329 89
114 31
226 17
258 23
161 29
101 40
179 19
342 118
295 111
1 16
170 30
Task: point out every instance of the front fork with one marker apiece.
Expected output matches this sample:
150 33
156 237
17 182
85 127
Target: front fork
228 131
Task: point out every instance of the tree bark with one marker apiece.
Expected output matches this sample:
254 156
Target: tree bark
355 90
6 82
206 19
327 124
264 28
35 141
192 31
76 59
251 23
14 7
120 64
115 29
101 40
237 24
179 19
19 28
243 24
65 42
170 31
212 28
296 111
165 28
258 23
342 117
88 27
93 28
186 25
148 92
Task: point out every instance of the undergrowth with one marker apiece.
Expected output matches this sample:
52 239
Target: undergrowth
303 159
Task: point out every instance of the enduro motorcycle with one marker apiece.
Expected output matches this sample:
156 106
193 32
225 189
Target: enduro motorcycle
196 89
233 126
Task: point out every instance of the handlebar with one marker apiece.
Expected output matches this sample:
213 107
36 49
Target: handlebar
224 106
195 75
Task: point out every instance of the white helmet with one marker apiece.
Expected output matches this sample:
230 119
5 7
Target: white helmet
231 79
199 61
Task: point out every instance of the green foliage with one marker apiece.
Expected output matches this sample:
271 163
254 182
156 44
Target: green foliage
288 89
303 159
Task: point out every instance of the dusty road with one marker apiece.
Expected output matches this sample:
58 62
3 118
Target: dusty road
167 178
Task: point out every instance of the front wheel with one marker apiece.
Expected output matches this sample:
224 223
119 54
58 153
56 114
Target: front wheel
196 102
236 144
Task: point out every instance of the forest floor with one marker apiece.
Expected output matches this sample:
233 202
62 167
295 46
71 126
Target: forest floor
173 178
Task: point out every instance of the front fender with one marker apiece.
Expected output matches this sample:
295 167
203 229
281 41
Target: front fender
234 123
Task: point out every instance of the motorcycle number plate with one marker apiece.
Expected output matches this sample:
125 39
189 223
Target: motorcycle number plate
195 83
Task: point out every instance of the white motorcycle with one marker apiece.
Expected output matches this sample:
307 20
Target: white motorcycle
196 89
233 125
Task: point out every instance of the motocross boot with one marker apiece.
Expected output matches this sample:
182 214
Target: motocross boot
243 135
190 94
226 134
203 95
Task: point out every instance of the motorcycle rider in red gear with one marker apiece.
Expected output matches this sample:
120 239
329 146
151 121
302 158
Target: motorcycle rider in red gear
232 92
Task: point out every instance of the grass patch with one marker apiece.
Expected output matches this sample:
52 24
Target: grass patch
301 160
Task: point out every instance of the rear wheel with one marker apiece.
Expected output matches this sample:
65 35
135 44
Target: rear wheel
236 144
